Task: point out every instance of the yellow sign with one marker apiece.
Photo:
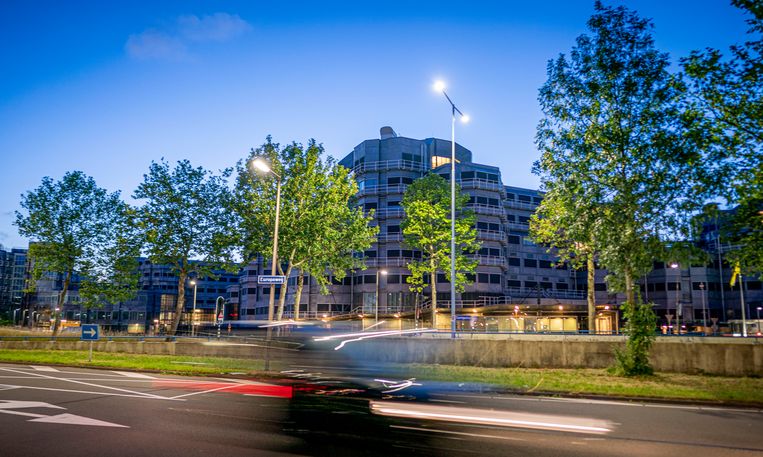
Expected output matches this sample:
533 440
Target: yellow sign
737 272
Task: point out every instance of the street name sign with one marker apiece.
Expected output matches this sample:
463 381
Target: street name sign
90 332
271 279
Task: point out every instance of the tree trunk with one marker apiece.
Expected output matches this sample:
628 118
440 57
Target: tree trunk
629 293
298 294
61 301
591 293
180 305
433 283
284 288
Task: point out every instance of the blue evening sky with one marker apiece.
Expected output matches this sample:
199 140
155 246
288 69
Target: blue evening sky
107 87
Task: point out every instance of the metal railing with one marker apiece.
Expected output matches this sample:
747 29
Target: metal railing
389 238
388 165
481 208
384 213
491 235
529 206
482 184
383 189
529 292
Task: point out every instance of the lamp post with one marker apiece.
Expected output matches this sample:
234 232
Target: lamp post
440 87
376 302
264 167
193 314
704 307
219 315
674 266
758 309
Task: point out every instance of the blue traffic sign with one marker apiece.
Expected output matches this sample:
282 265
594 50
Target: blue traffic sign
90 332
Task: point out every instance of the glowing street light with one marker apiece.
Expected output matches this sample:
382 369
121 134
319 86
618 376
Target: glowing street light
193 314
376 305
439 86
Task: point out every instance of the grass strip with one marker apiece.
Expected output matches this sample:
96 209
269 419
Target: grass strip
583 381
159 363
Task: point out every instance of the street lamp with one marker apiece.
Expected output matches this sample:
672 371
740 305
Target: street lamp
193 314
376 306
439 86
758 309
261 165
674 266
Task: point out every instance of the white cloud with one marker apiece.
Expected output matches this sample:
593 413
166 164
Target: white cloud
174 42
218 27
153 44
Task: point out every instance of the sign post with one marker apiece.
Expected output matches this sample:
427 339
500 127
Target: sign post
90 332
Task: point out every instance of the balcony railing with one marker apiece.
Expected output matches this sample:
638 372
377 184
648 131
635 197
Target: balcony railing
388 165
482 184
389 261
490 260
529 292
529 206
389 237
480 208
491 235
383 189
522 227
386 213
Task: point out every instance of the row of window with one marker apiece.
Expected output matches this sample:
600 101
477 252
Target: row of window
523 198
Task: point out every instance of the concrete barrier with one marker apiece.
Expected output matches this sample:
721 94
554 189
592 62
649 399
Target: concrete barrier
721 356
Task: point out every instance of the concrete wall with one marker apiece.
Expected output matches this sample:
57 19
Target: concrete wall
722 356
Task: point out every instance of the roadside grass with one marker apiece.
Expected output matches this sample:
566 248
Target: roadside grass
583 382
706 388
175 364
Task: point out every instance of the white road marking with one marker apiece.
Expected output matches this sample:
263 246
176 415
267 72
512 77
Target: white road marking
131 374
105 394
71 419
204 392
42 368
7 407
142 394
449 432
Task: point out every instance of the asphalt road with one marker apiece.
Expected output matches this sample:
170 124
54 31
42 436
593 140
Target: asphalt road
57 411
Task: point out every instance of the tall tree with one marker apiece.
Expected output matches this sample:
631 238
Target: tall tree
318 228
184 219
79 228
614 127
426 227
567 225
727 109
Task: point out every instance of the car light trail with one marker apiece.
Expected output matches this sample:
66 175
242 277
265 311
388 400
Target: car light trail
491 417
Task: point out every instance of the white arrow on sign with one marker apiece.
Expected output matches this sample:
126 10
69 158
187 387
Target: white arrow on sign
90 332
7 407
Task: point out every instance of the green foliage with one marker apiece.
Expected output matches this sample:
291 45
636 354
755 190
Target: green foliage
184 218
318 228
78 228
640 324
727 111
620 167
427 227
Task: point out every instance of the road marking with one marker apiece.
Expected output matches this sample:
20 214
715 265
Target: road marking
41 368
71 419
7 407
131 374
107 394
142 394
449 432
